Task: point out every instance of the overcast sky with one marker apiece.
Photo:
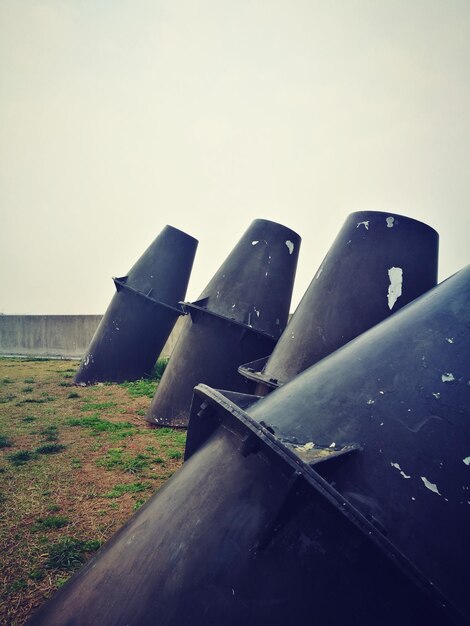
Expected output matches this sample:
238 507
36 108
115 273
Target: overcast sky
118 117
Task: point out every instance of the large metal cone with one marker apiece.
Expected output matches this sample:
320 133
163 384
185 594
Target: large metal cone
386 421
250 532
142 312
378 263
238 317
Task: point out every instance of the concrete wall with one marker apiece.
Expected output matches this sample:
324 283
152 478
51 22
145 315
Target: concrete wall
65 336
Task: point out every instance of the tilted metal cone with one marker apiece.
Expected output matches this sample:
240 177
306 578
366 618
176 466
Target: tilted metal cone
238 317
142 312
340 498
378 263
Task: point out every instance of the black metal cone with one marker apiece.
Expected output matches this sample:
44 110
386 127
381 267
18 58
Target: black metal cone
378 263
238 318
399 393
142 312
247 533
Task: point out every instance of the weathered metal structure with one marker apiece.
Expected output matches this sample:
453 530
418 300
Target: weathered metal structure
238 317
342 497
142 312
378 263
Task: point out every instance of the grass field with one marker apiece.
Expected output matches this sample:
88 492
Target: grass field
75 464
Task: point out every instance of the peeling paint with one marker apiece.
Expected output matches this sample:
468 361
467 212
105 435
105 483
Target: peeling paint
256 311
466 460
395 275
290 246
429 485
447 377
333 445
307 446
365 224
437 395
396 466
390 221
370 401
253 243
317 275
450 339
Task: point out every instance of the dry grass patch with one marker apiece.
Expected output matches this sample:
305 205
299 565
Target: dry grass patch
75 463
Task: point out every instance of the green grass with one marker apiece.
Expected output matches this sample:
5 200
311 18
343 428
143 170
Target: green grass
4 442
174 454
50 448
21 457
97 406
73 394
141 388
50 433
51 522
116 458
98 425
69 552
159 368
120 490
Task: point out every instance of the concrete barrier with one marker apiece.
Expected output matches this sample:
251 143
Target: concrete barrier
59 336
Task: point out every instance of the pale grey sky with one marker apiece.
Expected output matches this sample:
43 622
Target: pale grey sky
118 117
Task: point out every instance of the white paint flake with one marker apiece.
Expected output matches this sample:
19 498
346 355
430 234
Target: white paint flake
395 275
396 466
332 445
437 395
256 311
450 339
365 224
290 246
429 485
466 460
253 243
307 446
370 401
447 377
390 221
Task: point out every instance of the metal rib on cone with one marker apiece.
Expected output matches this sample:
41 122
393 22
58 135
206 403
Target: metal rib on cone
142 312
378 263
294 510
238 317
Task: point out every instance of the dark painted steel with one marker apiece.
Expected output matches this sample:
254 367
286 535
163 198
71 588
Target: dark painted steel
142 312
378 263
401 392
238 317
340 498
